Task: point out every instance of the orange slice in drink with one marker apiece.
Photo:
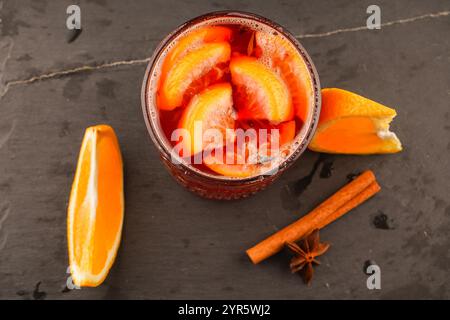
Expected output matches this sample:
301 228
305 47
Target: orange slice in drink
261 93
269 146
231 164
193 41
286 130
187 70
282 56
96 205
210 109
237 164
235 170
352 124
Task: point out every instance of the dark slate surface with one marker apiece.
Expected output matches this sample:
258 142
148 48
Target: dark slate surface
176 245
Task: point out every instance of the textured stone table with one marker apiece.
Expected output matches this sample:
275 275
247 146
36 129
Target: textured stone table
177 245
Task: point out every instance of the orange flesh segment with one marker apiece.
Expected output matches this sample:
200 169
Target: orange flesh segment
95 213
213 109
230 169
234 170
266 97
338 103
349 135
287 132
194 40
215 75
283 57
186 70
352 124
237 169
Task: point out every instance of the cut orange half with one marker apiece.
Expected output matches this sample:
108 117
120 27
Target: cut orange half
261 93
96 205
282 56
210 109
352 124
187 70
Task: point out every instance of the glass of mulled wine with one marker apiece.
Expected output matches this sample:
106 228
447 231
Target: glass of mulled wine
230 100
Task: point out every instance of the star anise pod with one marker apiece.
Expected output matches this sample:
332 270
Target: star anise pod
306 252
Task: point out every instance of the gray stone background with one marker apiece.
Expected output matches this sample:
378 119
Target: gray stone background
177 245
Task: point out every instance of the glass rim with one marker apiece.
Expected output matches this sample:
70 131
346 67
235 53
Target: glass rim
305 133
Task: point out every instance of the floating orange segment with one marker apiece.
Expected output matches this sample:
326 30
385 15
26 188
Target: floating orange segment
283 57
262 93
352 124
287 132
189 68
231 165
234 170
96 205
237 164
194 40
210 109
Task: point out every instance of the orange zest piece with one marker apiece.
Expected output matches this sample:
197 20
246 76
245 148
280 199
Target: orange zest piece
282 56
262 93
96 206
210 109
189 68
352 124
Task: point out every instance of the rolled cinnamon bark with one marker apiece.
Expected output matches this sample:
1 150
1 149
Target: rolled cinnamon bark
345 199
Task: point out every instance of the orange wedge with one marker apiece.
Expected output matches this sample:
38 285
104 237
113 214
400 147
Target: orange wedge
352 124
283 57
210 109
262 94
195 40
96 205
187 70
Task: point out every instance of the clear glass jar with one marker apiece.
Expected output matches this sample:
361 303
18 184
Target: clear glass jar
203 183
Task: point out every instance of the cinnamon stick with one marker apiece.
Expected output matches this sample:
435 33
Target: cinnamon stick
345 199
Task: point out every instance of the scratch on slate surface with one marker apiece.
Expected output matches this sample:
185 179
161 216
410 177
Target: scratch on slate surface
95 67
4 137
6 46
386 24
4 213
61 73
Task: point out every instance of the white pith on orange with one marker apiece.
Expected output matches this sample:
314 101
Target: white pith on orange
96 207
